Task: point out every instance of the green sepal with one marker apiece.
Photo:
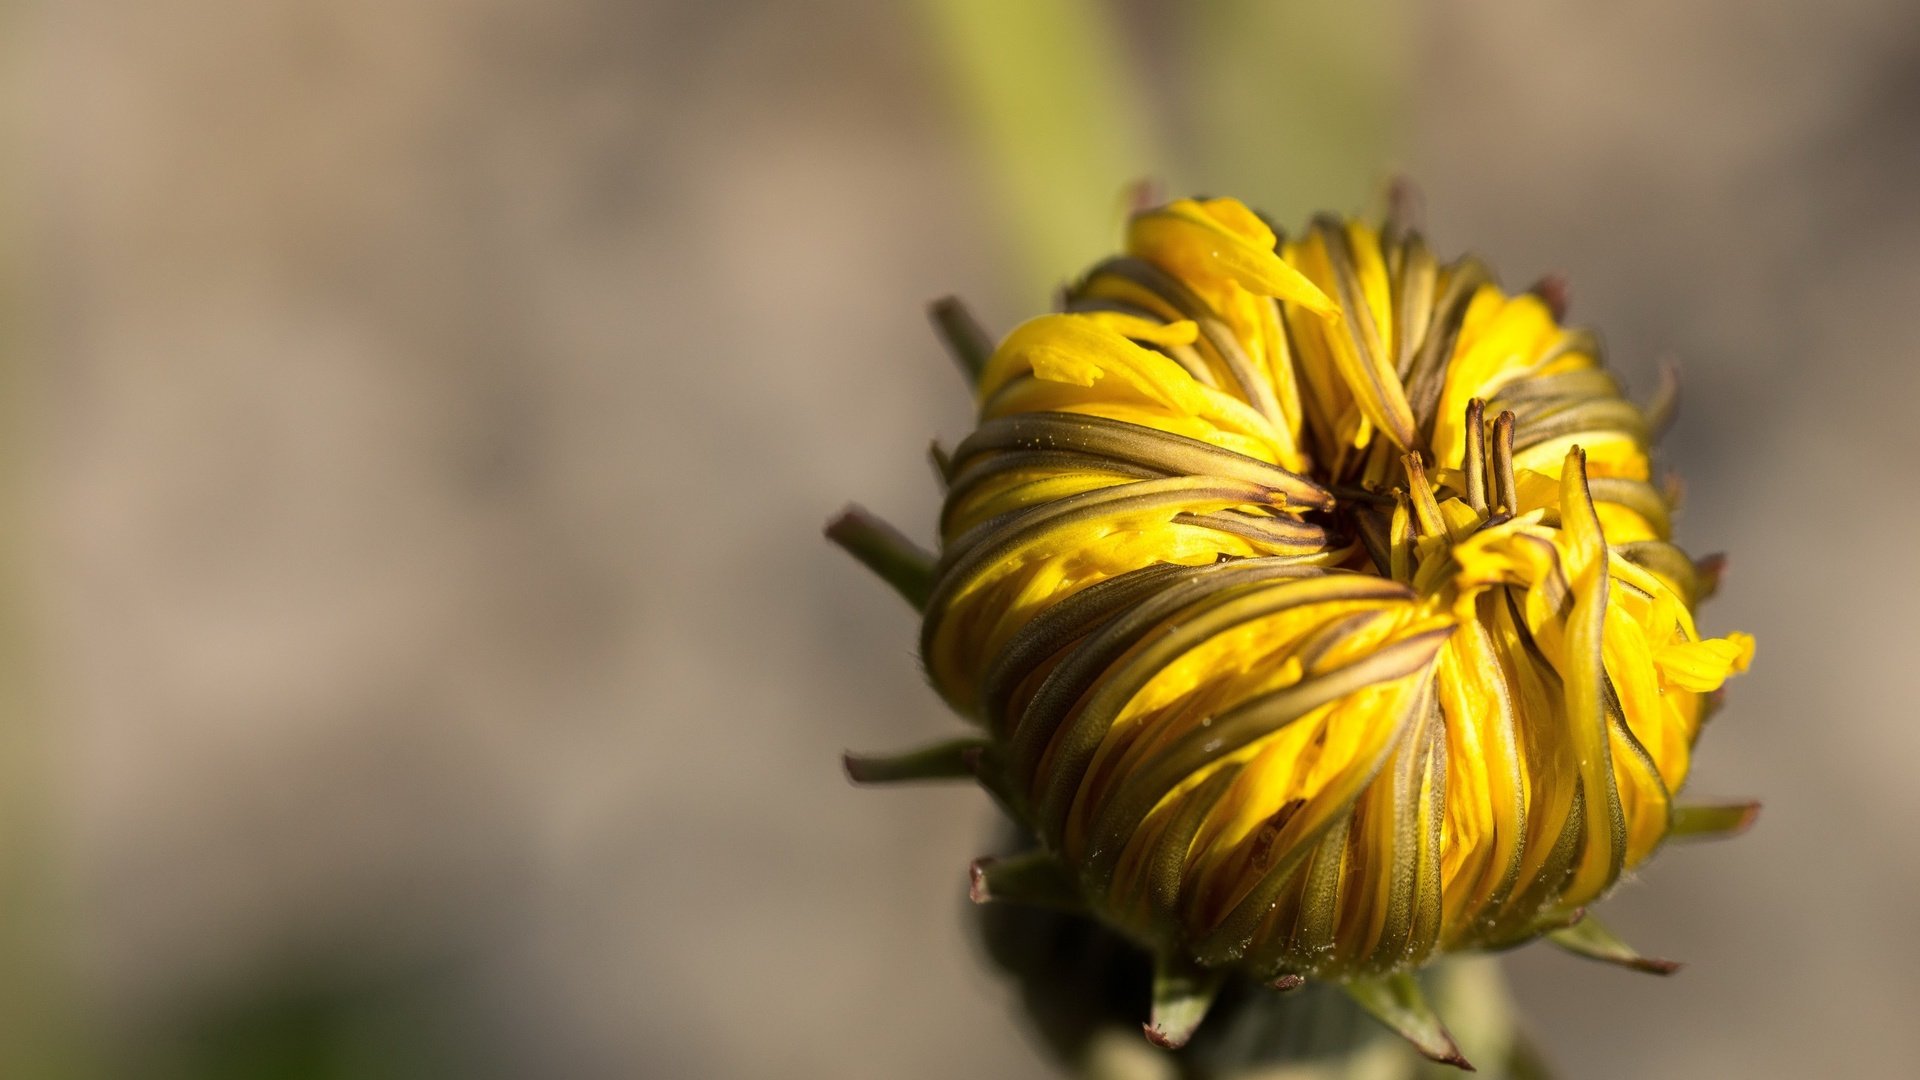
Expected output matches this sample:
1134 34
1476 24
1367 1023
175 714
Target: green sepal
955 759
1713 821
1595 942
884 550
942 461
1033 879
1398 1002
1182 993
969 343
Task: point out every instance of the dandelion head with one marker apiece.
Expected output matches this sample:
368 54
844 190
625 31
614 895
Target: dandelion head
1317 605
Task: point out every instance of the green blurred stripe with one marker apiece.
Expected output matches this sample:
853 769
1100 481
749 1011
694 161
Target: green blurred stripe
1296 107
1043 87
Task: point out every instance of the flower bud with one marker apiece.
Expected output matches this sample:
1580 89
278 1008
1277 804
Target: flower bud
1318 609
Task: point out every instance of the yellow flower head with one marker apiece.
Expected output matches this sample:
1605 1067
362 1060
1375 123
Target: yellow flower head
1318 609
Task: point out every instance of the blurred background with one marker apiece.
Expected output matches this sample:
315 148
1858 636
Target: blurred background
419 654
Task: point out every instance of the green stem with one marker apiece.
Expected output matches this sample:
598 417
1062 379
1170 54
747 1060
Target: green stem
1043 87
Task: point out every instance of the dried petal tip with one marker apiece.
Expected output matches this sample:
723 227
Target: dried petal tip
1555 293
1406 207
1182 994
1398 1002
1144 194
1595 942
1710 569
978 890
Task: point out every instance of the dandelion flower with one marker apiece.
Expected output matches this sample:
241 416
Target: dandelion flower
1317 605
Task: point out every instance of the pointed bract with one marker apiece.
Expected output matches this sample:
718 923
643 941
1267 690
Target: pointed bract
1714 821
1182 994
1595 942
1035 879
952 760
887 552
966 340
1398 1002
942 461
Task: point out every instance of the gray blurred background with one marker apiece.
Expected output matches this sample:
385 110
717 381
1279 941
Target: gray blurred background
422 659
